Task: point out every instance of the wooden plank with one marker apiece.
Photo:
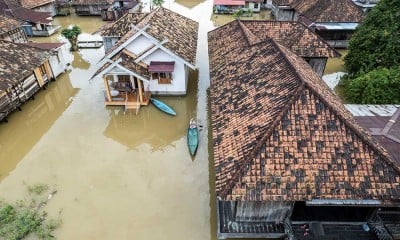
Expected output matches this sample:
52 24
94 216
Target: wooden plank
49 72
140 90
39 76
108 93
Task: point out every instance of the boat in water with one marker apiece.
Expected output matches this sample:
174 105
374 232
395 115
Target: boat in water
162 106
193 137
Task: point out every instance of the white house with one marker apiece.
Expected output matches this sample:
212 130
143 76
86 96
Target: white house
60 60
153 57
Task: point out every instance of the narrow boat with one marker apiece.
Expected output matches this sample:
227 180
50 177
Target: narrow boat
162 106
193 137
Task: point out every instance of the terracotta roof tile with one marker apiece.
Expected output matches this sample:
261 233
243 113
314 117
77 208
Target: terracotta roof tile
34 3
279 133
163 24
328 10
15 11
17 61
92 2
122 26
293 35
7 24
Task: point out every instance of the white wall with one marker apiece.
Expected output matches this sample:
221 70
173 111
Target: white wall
178 85
59 64
139 45
252 6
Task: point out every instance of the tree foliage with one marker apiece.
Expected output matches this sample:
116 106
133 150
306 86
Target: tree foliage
158 3
72 34
380 86
376 42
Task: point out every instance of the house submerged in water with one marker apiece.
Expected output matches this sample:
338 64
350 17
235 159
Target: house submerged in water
290 161
153 54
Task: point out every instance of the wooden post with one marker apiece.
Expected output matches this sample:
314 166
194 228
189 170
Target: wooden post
39 76
107 89
49 72
140 90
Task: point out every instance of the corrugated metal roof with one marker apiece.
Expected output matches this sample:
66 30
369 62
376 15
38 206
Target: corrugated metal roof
364 110
337 26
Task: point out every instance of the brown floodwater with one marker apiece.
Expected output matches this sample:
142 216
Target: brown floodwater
118 176
334 65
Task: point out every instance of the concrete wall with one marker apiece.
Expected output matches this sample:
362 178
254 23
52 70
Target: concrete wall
50 7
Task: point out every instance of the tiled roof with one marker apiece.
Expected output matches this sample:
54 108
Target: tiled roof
120 27
17 61
15 11
128 61
46 46
293 35
163 24
7 24
328 10
91 2
34 3
280 134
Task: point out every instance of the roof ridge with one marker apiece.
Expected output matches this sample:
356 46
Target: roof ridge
230 184
352 125
251 38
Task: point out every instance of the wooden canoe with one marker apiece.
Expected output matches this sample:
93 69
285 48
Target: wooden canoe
193 137
162 106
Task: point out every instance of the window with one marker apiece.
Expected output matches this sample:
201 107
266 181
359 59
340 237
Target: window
255 5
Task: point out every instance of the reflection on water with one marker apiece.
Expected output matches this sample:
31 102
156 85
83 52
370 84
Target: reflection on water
79 62
25 128
148 126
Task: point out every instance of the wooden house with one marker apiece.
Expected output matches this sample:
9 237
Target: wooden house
24 71
293 35
232 6
90 7
334 21
153 57
47 6
33 23
119 9
63 7
11 30
58 60
290 161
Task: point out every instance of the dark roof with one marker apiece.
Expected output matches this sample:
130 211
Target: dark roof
17 61
293 35
92 2
34 3
122 26
127 61
385 130
163 24
46 46
328 10
280 134
7 24
281 2
15 11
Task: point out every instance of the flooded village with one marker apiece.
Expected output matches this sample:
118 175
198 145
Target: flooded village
278 154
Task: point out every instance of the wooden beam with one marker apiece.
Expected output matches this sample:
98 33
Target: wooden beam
49 72
39 77
107 89
140 89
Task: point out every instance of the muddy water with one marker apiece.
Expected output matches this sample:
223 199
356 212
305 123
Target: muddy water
336 64
118 176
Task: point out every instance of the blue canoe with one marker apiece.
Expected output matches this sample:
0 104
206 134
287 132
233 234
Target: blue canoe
193 137
162 106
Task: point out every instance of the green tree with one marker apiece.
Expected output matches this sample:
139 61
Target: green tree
158 3
72 33
379 86
376 42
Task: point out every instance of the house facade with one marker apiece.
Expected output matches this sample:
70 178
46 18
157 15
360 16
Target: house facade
33 23
90 7
334 21
58 60
294 35
10 30
47 6
119 9
290 161
232 6
25 70
154 57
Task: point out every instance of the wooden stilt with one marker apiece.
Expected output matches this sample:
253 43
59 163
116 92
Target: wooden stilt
108 93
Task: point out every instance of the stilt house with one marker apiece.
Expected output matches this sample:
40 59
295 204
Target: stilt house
90 7
290 161
10 30
153 57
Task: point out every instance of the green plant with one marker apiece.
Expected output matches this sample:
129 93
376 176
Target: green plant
71 33
380 86
38 188
158 3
